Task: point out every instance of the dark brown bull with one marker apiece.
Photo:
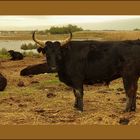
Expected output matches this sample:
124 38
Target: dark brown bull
91 62
3 82
34 69
15 55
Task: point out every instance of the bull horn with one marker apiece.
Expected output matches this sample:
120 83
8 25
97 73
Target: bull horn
41 43
67 40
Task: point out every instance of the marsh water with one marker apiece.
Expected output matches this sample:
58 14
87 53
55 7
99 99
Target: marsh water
14 44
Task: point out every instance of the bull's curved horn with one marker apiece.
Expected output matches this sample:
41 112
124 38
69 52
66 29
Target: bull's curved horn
41 43
67 40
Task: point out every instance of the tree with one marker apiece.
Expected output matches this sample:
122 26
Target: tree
64 29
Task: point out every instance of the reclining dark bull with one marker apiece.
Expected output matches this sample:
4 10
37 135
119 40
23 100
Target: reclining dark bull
3 82
34 69
15 55
89 62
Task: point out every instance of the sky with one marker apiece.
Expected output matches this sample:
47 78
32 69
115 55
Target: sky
86 22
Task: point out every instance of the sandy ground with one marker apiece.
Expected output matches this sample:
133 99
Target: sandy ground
43 100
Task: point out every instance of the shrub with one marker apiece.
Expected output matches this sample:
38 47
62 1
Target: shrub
4 53
64 29
31 54
29 46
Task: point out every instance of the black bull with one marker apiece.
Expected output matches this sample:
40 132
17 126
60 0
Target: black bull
3 82
89 62
15 55
34 69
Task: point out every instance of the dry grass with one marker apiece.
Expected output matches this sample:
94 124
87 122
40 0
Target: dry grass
108 35
99 35
122 35
45 100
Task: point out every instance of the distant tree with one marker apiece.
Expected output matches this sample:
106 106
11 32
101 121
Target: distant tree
64 29
41 32
136 29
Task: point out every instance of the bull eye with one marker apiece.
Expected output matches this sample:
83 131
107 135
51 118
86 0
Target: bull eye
47 57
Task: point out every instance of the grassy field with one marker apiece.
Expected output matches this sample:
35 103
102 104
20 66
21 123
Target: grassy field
99 35
44 100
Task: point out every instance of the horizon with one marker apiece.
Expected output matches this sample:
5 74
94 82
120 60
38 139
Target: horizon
29 23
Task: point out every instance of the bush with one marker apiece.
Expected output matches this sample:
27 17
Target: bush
136 29
4 53
29 46
64 29
31 54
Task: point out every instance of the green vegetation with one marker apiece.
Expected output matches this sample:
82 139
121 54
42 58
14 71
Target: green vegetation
56 35
29 46
31 54
136 29
64 29
4 53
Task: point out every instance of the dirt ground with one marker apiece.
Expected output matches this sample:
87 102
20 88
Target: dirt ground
43 99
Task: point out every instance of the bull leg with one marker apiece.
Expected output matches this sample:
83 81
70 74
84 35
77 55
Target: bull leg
130 85
78 99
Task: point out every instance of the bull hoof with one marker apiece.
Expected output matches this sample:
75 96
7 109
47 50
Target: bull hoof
133 110
78 108
129 110
75 106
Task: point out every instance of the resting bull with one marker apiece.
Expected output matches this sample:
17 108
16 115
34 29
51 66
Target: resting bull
34 69
89 62
15 55
3 82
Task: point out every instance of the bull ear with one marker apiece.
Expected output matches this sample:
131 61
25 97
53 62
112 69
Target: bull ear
44 51
67 40
41 43
39 49
57 44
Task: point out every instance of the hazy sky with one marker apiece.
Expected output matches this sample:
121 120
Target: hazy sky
44 22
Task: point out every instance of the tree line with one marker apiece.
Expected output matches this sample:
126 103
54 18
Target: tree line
62 30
